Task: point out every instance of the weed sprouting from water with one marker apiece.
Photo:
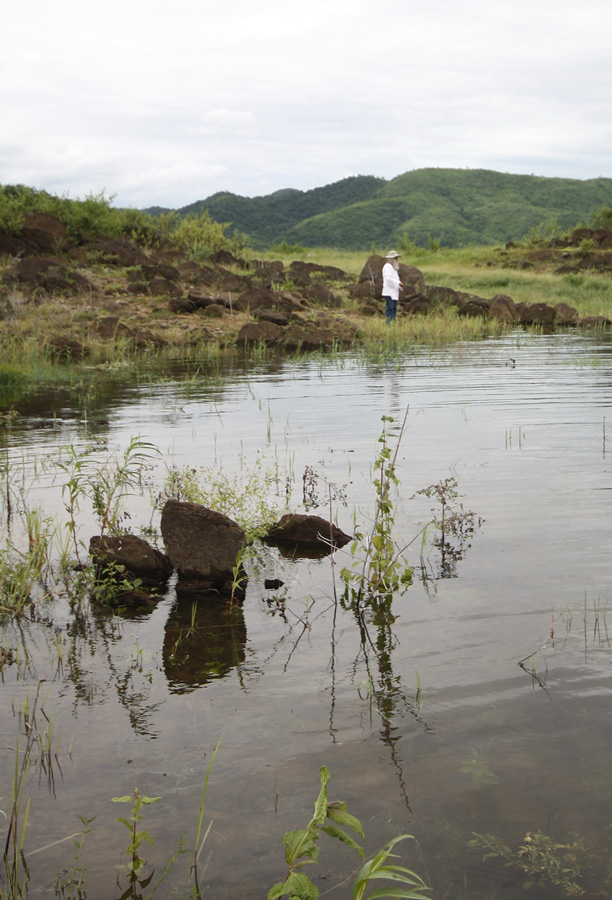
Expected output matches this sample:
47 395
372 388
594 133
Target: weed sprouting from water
137 836
104 483
254 497
545 861
302 849
378 569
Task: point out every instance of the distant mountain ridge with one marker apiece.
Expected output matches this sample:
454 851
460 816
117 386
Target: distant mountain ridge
456 206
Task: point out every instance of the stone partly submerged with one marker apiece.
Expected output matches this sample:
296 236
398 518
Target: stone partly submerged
304 535
204 547
139 571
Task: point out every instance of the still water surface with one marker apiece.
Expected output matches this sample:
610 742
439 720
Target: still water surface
452 735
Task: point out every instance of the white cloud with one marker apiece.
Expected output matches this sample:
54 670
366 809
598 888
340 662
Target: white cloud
165 101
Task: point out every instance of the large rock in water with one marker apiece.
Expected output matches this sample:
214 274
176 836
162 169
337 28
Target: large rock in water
134 554
203 546
306 535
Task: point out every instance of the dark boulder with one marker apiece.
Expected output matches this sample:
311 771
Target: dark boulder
303 535
566 315
49 274
256 298
473 308
203 545
536 314
417 305
307 337
137 557
117 252
411 277
271 315
180 305
595 322
331 273
504 308
163 287
262 332
227 258
268 272
44 233
64 349
440 294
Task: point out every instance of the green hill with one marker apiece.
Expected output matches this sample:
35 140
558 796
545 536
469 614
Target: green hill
457 206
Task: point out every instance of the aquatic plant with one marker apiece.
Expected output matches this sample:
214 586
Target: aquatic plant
137 836
254 497
543 860
302 849
105 483
72 884
22 571
37 750
378 569
200 839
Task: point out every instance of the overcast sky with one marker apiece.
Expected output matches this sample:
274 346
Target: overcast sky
164 102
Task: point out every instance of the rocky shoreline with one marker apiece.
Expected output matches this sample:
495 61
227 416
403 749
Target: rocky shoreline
115 291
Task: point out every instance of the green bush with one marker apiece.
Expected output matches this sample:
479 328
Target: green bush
196 234
602 218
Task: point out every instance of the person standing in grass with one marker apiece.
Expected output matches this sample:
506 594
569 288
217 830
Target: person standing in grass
391 285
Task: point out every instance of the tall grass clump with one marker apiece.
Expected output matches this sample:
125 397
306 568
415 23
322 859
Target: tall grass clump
442 327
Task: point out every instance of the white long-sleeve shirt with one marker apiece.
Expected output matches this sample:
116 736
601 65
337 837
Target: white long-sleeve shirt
391 282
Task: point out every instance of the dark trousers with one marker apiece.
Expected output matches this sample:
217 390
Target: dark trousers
390 309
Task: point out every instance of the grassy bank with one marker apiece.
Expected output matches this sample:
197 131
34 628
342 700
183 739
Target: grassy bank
68 337
487 271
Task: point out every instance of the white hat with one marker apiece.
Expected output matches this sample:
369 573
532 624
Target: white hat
392 254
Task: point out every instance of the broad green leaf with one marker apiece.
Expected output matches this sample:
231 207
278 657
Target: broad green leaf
320 811
126 799
398 892
298 843
334 831
301 887
338 814
276 891
297 887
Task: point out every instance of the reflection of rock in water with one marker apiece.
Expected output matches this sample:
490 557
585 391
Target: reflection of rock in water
202 641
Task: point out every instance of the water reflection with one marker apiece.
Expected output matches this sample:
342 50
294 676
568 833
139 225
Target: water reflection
202 640
482 747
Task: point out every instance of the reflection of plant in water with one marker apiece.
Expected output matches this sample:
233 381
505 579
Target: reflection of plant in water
312 498
477 766
37 750
545 861
455 524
